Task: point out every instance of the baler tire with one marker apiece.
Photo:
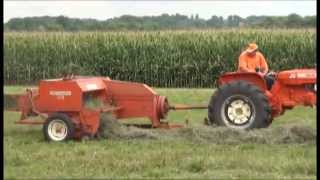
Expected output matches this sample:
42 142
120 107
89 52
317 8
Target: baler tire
64 118
222 109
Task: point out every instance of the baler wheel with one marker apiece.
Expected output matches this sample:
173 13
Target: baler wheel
58 127
239 105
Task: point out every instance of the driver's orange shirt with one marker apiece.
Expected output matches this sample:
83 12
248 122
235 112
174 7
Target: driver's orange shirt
249 63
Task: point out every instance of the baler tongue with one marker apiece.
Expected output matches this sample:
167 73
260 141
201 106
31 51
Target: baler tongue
166 108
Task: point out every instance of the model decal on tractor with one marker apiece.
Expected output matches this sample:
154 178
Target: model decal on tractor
305 75
302 75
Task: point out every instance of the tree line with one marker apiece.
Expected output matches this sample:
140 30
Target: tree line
162 22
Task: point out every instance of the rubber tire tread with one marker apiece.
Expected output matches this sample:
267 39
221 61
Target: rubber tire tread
260 101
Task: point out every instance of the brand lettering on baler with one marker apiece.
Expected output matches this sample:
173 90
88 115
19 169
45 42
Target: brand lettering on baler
60 93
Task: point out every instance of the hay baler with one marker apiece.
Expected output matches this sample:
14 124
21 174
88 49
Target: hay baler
62 105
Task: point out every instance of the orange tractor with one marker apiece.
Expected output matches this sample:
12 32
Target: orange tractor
241 101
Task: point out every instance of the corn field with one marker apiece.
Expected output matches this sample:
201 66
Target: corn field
159 59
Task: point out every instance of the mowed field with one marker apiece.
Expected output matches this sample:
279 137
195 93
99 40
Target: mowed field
27 155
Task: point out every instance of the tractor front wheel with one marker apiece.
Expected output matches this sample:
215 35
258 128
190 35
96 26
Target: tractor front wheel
239 105
58 127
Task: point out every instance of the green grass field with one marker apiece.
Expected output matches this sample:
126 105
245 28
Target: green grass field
26 155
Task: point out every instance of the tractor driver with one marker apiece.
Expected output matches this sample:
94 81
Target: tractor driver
253 61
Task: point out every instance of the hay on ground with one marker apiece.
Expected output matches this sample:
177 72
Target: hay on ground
287 134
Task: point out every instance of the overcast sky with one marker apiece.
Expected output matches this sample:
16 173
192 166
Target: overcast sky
103 10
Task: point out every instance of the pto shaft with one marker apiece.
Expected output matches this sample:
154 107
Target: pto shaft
187 107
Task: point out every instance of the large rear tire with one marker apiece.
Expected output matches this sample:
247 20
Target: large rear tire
239 105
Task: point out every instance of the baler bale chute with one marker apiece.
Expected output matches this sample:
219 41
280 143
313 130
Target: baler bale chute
242 101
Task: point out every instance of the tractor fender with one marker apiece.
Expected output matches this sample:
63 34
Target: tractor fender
251 77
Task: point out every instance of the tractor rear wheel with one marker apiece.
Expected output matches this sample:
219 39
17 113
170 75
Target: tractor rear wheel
58 127
239 105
